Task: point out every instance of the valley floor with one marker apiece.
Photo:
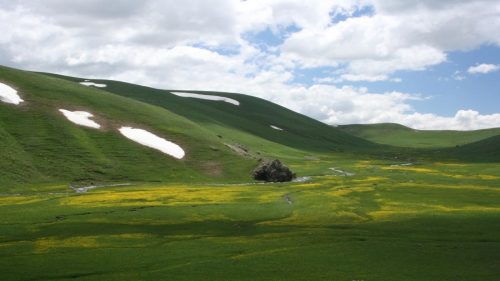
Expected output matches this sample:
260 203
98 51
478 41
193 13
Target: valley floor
373 220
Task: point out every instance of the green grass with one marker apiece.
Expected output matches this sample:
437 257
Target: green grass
429 222
483 150
202 218
399 135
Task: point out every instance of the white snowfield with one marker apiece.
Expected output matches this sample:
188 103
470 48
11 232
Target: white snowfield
151 140
276 128
9 94
80 118
206 97
88 84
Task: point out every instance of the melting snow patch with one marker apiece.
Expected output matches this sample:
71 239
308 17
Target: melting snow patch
206 97
80 118
276 128
88 84
9 95
151 140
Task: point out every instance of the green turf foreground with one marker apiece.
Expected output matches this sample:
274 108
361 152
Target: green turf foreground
428 221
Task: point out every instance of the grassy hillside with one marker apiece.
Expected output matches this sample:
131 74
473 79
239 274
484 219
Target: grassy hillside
254 117
484 150
38 144
399 135
222 141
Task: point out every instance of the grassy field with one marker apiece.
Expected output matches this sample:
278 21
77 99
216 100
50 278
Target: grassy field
427 209
431 221
399 135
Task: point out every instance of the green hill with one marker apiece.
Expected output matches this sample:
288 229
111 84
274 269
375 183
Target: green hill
484 150
399 135
253 116
221 140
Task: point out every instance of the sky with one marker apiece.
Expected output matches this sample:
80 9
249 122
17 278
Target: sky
425 64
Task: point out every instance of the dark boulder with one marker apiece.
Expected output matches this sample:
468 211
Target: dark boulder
272 171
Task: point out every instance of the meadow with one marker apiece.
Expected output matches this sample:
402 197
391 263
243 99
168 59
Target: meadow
425 221
425 208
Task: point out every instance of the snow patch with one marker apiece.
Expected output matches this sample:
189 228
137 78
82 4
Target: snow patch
206 97
276 128
80 118
9 94
151 140
88 84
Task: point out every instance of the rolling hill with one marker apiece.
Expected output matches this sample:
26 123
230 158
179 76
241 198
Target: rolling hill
253 116
401 136
222 141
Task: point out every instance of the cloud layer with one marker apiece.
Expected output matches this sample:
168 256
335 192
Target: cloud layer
205 45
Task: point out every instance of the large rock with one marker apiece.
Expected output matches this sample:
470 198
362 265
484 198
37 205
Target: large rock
272 171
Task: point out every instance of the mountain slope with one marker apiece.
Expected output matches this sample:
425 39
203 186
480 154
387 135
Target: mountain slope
399 135
222 142
38 144
253 116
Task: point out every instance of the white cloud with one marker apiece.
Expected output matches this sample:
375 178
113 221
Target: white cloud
349 105
401 35
483 68
363 77
200 45
462 120
258 14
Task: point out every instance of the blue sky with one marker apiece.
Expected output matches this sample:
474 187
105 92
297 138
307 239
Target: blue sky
448 90
422 63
